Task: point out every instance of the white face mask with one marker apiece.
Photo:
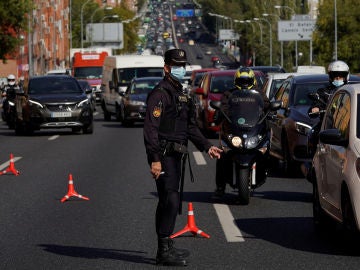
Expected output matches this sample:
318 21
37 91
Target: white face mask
338 83
178 72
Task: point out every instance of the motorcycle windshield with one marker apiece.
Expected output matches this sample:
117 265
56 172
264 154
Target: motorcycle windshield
245 108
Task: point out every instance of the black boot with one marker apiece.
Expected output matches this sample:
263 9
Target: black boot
168 255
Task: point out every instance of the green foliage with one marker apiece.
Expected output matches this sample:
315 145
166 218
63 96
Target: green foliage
348 36
13 23
130 29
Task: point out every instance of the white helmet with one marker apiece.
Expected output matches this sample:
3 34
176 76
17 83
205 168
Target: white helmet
11 79
338 69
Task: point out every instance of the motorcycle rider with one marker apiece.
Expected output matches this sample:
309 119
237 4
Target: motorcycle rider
11 93
339 73
244 79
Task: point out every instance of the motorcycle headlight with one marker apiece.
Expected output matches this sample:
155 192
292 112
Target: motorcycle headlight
32 102
302 128
83 103
236 141
252 142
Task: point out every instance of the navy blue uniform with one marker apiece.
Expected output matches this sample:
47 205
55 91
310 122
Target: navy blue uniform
169 119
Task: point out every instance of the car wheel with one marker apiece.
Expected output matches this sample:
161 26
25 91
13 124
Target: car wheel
89 129
322 222
107 115
119 116
290 166
349 222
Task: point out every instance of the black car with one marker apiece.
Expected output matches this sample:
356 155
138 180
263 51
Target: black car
291 123
56 101
134 99
84 84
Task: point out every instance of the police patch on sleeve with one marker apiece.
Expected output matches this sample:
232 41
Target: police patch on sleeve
156 111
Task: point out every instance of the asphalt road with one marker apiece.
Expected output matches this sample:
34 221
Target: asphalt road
115 228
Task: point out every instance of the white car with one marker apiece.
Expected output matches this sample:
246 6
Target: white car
272 83
335 173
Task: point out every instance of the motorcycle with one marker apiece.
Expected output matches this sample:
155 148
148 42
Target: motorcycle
9 113
246 139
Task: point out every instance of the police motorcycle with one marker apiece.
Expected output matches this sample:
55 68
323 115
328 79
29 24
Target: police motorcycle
246 139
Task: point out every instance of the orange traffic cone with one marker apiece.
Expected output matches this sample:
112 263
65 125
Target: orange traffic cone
190 226
72 192
11 167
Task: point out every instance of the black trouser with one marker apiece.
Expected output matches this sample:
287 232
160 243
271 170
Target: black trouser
168 191
224 170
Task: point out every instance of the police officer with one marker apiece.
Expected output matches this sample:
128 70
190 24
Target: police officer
244 79
169 123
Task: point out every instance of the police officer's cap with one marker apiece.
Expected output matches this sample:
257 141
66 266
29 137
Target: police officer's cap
175 57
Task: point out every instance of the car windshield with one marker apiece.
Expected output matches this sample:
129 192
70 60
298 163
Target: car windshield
142 87
88 72
275 86
127 74
52 85
221 83
302 91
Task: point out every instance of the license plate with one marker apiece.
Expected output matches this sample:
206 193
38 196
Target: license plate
60 114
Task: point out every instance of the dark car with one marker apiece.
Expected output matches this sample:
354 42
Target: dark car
134 99
57 101
84 84
291 123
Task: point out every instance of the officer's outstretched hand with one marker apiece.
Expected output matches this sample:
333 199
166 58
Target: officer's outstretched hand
214 152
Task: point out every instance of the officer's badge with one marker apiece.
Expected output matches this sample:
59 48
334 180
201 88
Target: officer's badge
156 111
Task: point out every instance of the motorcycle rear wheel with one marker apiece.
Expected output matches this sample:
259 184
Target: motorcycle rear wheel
243 182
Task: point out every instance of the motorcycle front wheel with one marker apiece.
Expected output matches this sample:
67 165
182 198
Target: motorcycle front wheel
243 182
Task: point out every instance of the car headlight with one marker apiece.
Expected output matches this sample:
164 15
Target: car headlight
137 103
83 103
302 128
35 103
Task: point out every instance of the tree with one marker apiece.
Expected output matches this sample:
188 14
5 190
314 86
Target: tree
13 22
348 36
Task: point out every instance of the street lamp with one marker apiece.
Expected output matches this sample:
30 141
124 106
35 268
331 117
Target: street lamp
270 33
110 16
81 22
256 20
281 42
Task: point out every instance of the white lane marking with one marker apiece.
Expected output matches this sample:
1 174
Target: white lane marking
7 163
199 158
53 137
231 231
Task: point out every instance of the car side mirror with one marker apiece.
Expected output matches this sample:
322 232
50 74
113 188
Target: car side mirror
200 91
215 104
314 96
333 136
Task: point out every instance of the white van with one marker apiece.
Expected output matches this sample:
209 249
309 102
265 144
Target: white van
118 71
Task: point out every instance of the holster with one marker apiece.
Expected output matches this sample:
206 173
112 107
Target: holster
168 148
